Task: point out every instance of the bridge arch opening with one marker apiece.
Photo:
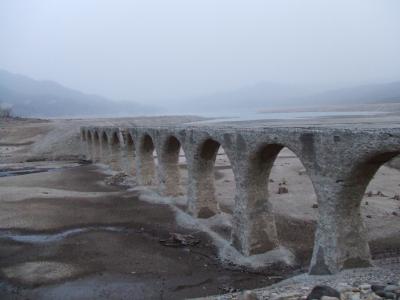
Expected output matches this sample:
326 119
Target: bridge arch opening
377 197
147 158
294 203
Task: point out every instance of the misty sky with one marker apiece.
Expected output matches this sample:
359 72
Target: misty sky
155 50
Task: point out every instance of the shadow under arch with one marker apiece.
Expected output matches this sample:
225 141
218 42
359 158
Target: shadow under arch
146 160
171 176
203 201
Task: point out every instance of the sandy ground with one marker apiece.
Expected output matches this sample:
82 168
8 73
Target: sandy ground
65 234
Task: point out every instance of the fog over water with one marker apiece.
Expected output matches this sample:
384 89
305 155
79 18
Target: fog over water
161 52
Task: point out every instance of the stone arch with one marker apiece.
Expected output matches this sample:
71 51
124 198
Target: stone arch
202 189
170 173
145 160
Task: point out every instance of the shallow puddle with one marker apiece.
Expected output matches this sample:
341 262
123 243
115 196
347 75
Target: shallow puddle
48 238
22 171
7 171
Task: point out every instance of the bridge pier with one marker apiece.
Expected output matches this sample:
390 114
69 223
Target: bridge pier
341 240
254 229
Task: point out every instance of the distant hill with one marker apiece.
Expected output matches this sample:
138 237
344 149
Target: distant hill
248 98
363 94
30 97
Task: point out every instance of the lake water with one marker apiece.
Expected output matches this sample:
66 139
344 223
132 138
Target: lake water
230 117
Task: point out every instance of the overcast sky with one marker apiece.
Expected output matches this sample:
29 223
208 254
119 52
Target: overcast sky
152 50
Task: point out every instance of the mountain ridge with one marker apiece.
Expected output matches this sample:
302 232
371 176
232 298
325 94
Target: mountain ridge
46 98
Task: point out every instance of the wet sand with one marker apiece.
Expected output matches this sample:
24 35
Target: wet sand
120 257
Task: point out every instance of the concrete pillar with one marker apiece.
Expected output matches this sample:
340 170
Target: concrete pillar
254 229
341 240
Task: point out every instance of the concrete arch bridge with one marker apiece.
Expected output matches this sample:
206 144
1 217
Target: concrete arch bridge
340 163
